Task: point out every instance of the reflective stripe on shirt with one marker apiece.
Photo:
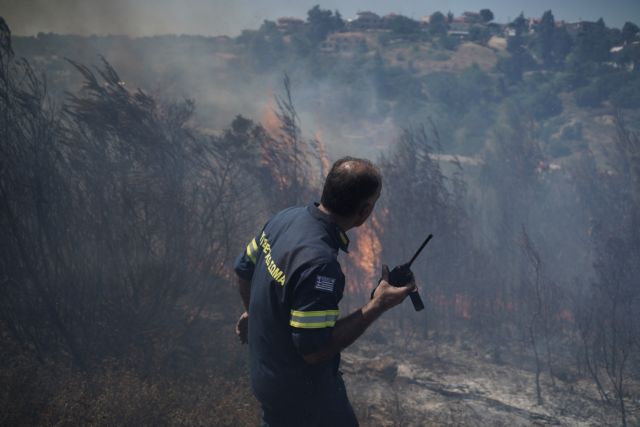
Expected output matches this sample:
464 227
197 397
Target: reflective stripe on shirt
313 319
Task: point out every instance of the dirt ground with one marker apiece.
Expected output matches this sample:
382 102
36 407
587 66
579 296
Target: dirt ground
448 384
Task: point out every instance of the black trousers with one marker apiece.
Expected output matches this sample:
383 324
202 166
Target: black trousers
325 404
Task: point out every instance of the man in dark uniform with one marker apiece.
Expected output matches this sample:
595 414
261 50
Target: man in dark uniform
291 283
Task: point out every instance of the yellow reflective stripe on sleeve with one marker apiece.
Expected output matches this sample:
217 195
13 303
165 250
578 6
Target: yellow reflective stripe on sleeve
313 319
314 313
312 325
252 250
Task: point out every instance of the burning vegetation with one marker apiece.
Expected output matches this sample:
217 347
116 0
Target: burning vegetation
120 218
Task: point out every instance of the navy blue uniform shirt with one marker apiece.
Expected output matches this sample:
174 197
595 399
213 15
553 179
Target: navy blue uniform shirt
296 285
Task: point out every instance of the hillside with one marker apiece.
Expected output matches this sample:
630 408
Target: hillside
382 75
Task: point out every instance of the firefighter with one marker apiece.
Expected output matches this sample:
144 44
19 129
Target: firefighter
291 283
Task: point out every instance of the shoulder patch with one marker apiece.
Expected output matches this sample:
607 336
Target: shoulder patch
325 284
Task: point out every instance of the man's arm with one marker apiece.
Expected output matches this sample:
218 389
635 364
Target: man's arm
350 328
244 266
242 327
244 288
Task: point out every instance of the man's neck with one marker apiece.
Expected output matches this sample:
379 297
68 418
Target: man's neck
344 223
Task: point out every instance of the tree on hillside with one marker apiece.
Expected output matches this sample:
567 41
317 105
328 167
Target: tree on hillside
520 59
519 24
551 43
630 32
546 38
487 15
438 24
265 46
479 33
562 44
592 43
402 25
608 322
322 22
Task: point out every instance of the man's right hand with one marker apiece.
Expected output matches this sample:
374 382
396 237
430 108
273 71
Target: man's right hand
242 327
387 296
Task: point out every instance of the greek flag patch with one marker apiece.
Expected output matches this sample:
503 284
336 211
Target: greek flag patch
325 284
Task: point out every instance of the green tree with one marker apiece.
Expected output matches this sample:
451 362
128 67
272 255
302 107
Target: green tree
479 34
629 32
546 38
322 22
438 24
450 17
402 25
519 24
562 44
592 43
487 15
543 103
514 66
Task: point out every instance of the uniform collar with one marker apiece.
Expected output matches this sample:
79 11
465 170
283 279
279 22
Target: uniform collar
340 236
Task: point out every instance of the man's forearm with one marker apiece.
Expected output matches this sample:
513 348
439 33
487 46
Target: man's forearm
347 330
244 287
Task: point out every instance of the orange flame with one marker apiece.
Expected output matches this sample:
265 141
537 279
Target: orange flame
271 123
269 118
365 256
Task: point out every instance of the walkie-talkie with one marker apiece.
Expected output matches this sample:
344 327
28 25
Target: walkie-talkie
402 275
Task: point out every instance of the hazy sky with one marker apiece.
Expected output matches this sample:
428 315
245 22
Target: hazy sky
215 17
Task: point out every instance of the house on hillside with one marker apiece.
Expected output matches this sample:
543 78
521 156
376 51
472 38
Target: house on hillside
508 31
533 23
366 21
288 25
471 18
459 29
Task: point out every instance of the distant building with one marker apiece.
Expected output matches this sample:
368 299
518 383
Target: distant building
424 21
509 31
472 17
532 24
459 29
573 28
366 21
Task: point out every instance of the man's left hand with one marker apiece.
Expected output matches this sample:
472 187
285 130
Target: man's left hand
242 327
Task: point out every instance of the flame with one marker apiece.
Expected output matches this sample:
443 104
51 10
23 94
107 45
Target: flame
325 165
269 118
365 255
272 125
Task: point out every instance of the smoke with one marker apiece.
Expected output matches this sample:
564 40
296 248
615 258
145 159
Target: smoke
133 18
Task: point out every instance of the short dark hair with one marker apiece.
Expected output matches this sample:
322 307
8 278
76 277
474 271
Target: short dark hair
350 182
